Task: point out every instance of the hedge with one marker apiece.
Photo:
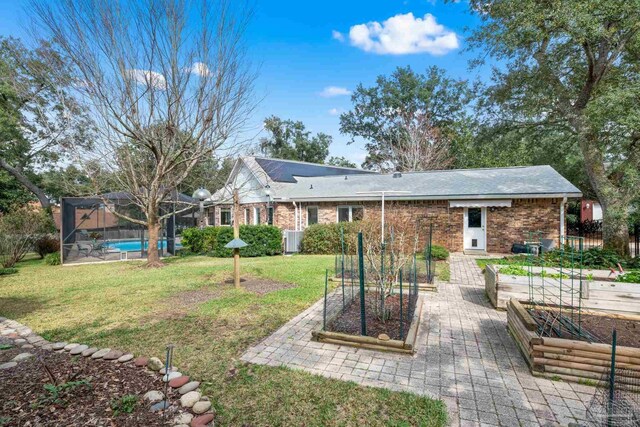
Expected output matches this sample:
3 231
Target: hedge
439 253
262 240
53 259
324 239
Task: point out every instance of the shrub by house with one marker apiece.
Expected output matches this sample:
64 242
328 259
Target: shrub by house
262 240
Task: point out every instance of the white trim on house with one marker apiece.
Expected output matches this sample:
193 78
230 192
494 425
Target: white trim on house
356 198
256 215
480 203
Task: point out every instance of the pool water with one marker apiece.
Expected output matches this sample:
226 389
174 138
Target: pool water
133 245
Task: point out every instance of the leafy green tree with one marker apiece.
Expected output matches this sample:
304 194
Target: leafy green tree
341 161
573 67
20 227
12 193
290 140
40 119
408 112
506 144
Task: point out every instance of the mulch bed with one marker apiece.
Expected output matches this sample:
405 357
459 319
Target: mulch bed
24 401
180 304
601 327
260 285
348 321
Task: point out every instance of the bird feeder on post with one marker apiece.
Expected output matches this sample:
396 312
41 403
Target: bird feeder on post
236 244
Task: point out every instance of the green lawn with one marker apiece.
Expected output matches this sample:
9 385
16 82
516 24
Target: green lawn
443 272
122 305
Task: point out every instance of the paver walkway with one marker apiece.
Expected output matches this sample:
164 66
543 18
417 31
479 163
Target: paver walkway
465 357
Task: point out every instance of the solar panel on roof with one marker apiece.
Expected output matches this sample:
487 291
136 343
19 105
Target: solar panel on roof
284 171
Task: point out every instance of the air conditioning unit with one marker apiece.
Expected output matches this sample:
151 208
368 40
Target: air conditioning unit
292 240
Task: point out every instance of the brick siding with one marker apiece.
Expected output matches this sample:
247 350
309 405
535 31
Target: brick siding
505 226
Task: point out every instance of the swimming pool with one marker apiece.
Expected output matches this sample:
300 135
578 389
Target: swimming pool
134 245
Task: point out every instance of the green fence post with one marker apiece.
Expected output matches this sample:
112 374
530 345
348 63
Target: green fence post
352 274
326 284
363 320
401 318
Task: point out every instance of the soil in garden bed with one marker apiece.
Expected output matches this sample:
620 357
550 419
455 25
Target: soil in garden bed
91 386
601 327
348 321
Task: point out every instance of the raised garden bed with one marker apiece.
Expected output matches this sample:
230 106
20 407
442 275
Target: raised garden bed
573 359
343 327
599 293
422 281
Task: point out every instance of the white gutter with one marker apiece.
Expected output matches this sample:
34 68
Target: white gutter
355 198
295 216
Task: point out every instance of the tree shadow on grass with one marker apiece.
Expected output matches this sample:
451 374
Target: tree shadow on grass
18 307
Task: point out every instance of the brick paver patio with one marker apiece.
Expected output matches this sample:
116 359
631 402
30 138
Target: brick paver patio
465 357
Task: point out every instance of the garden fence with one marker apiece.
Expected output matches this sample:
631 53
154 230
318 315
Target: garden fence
592 237
616 402
371 298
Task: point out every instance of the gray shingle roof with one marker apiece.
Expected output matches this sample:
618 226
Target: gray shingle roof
526 181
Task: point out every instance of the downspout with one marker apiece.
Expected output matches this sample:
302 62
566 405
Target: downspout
562 227
295 216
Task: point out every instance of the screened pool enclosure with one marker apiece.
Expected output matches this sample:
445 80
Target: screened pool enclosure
92 230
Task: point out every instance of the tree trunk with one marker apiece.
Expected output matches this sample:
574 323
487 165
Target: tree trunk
615 227
26 182
153 255
614 201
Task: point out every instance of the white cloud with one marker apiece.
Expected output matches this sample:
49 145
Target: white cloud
337 35
334 112
199 68
404 34
148 78
331 91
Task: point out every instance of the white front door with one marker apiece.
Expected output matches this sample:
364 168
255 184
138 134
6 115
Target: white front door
475 235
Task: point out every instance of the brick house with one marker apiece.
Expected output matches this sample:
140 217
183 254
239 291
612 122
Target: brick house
471 210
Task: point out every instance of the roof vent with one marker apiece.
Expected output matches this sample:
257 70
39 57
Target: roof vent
345 177
397 175
311 187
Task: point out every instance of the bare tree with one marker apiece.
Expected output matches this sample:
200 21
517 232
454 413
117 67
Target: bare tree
168 82
420 145
385 258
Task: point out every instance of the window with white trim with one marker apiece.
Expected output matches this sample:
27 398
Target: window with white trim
225 216
247 214
350 213
270 215
312 215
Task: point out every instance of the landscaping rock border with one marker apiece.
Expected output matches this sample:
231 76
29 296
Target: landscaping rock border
196 412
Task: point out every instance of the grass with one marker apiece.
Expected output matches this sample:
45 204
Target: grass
443 272
122 305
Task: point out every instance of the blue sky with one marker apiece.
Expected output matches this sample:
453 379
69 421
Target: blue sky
303 47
